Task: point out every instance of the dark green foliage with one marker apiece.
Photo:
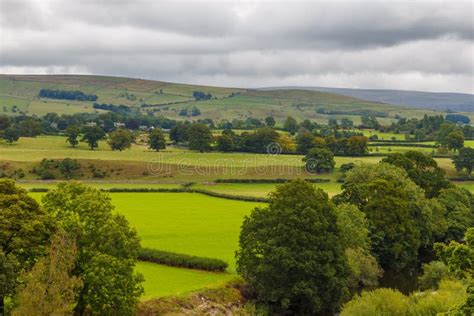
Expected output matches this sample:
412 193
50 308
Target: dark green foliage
92 135
11 135
422 169
195 111
290 252
4 122
121 139
290 125
181 260
387 196
459 206
225 143
201 96
68 167
199 137
30 127
319 160
458 118
450 136
107 249
465 160
121 109
72 133
67 95
270 121
156 139
25 230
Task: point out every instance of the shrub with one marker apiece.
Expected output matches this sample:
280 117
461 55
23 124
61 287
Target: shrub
181 260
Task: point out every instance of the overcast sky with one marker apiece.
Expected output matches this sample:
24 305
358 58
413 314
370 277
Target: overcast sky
405 45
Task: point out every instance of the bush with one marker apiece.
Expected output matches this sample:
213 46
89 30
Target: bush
181 260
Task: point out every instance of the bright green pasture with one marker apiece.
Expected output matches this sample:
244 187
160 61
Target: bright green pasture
188 223
162 280
382 135
260 189
467 185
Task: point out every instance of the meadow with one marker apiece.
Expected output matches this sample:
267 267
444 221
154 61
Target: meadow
189 223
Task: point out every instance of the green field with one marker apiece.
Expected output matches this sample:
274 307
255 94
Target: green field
188 223
164 281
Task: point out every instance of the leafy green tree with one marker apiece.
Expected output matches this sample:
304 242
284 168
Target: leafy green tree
387 196
199 137
290 252
11 134
49 288
4 122
270 121
72 133
459 212
290 125
346 123
354 228
422 169
305 141
179 132
455 140
25 230
121 139
464 160
92 135
68 167
225 143
107 248
319 160
156 139
30 128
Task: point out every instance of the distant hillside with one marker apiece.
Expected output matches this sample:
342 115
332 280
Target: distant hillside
67 94
459 102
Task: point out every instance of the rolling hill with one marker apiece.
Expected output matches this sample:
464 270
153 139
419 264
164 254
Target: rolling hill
20 94
442 101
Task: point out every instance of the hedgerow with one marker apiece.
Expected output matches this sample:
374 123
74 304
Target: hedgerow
181 260
278 180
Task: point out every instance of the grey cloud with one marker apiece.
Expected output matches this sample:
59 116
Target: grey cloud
365 44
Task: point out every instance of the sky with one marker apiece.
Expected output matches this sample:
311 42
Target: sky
411 45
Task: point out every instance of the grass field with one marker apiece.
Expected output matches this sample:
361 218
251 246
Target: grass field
164 281
188 223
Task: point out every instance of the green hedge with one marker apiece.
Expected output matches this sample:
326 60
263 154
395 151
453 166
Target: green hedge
402 145
181 260
278 180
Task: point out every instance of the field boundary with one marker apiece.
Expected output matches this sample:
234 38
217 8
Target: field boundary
176 190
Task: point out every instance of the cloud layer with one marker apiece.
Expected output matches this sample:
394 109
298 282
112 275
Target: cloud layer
405 45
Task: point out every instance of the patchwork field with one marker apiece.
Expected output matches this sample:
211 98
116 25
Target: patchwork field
169 98
187 223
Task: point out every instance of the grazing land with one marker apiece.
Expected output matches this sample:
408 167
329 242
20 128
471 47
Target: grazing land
169 99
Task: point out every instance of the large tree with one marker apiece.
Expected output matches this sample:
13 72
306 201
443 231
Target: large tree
422 169
25 230
291 254
465 160
92 135
121 139
72 133
199 137
398 212
319 160
49 287
156 139
107 248
11 134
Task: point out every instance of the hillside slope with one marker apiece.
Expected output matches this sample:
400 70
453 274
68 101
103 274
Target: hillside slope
462 102
20 94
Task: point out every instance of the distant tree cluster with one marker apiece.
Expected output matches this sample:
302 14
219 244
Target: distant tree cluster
67 95
201 96
120 109
194 112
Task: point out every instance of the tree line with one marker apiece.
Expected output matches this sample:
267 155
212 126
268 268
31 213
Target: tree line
66 95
